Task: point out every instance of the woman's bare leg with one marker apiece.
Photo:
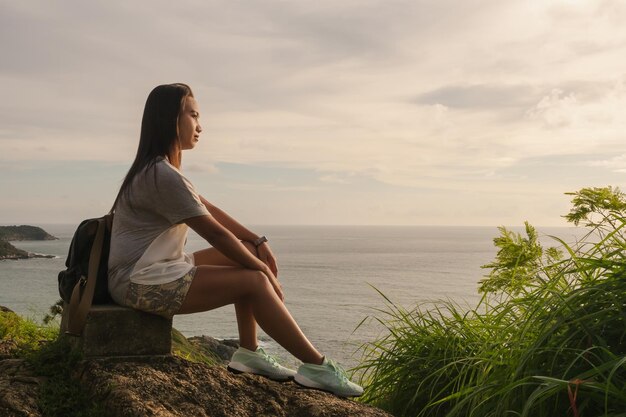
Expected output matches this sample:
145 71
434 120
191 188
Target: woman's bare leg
216 286
246 323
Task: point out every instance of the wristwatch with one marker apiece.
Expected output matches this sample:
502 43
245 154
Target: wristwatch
259 241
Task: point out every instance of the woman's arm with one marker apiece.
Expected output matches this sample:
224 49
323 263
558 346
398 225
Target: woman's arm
227 243
229 223
265 253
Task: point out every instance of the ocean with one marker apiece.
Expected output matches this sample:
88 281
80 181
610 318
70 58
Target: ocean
330 276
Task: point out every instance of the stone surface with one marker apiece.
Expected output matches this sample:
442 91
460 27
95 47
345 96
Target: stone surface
7 348
222 349
113 330
173 387
18 389
8 251
4 309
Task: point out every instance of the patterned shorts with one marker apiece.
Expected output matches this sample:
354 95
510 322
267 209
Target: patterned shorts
162 299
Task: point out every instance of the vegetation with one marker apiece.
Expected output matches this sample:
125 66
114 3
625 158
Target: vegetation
547 338
23 335
187 350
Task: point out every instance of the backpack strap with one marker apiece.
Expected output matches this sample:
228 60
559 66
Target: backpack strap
80 303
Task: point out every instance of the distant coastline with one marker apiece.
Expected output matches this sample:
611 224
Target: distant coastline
24 232
19 233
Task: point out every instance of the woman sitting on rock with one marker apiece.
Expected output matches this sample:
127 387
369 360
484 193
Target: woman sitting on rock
149 271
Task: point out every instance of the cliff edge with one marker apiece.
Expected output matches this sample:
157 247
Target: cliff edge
172 386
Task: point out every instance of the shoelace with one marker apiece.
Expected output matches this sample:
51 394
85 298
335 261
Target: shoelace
339 371
271 359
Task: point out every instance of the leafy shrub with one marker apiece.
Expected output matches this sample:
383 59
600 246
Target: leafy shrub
548 337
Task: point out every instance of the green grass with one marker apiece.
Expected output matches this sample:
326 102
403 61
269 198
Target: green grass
547 338
183 348
24 334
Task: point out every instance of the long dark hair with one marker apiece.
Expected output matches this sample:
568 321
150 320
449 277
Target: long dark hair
159 131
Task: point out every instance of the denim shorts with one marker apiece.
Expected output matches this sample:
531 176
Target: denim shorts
162 299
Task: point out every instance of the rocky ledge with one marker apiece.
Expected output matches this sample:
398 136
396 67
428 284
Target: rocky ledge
170 386
219 349
19 388
163 386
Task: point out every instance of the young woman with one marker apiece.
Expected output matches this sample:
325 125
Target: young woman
149 271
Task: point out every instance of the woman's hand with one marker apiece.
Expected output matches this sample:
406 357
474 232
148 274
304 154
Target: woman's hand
274 281
267 257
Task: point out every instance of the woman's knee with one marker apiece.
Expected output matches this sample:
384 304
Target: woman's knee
258 281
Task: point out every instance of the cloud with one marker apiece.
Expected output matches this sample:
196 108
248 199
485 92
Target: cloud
272 187
555 110
602 113
615 163
208 168
480 96
450 95
334 179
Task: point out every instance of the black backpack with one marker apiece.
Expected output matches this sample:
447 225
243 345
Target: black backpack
85 281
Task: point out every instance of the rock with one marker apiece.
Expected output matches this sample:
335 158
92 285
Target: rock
8 251
4 309
7 348
113 330
173 387
223 349
18 389
170 386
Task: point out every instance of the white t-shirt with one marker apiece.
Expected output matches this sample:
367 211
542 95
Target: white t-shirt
148 235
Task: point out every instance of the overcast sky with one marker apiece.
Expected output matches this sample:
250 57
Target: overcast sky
446 112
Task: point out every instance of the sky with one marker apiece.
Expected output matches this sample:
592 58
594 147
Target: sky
342 112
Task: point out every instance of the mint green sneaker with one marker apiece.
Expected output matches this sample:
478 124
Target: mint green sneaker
328 376
259 363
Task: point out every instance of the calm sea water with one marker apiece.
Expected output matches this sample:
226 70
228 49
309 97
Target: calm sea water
328 275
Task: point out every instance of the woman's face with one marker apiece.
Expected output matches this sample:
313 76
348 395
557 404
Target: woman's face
188 126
